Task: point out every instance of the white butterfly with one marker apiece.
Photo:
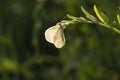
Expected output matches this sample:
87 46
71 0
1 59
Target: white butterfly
55 35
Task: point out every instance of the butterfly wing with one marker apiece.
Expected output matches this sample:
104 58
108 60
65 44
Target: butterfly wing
59 38
50 32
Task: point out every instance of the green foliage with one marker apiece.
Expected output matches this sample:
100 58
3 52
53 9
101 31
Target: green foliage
89 16
118 18
101 16
104 20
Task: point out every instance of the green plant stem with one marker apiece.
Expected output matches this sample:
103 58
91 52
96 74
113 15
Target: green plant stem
102 24
108 26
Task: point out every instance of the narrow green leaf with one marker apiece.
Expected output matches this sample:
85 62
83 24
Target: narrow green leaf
118 18
76 18
71 17
101 16
88 15
82 19
106 19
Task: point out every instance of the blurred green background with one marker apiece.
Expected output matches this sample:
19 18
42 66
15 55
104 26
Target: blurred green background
91 52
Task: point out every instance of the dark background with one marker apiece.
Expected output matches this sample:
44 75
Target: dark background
91 52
